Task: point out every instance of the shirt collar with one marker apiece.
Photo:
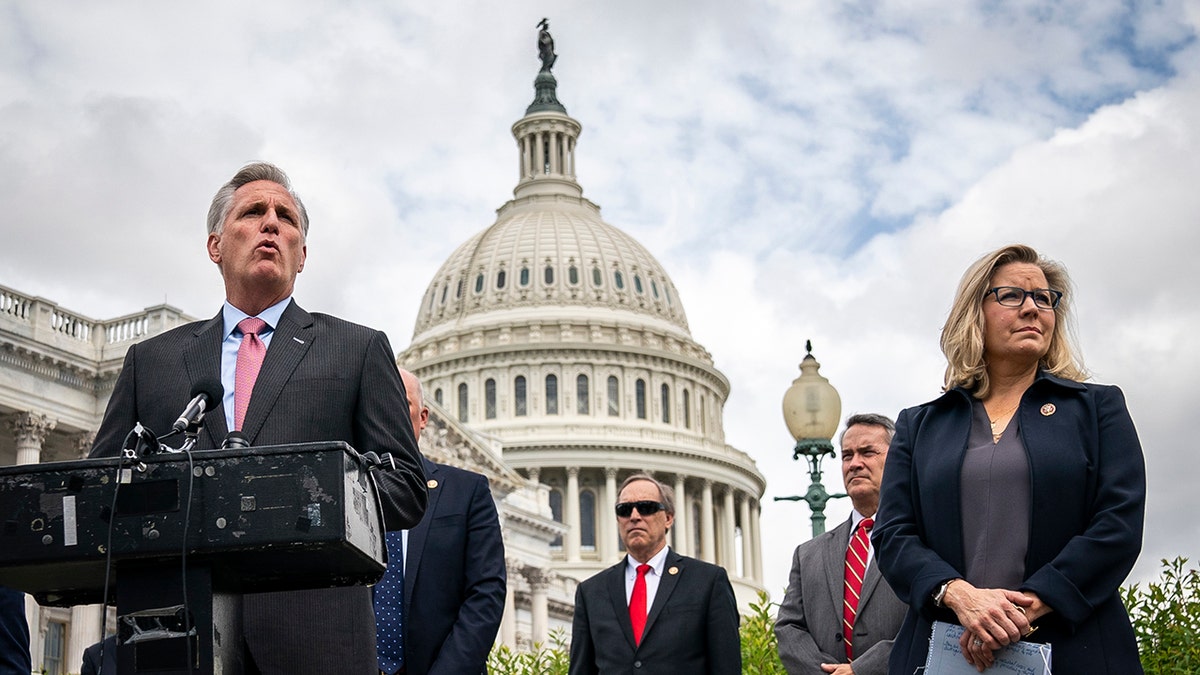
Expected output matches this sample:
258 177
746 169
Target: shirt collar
656 563
232 316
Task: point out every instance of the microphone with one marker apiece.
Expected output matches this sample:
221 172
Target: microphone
235 439
205 395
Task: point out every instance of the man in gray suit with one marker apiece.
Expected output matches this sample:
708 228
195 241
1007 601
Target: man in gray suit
819 631
308 377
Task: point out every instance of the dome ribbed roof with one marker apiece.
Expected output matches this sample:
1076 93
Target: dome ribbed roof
550 254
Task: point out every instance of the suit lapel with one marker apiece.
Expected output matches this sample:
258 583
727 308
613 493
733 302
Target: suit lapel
835 566
202 358
666 585
291 341
615 584
419 534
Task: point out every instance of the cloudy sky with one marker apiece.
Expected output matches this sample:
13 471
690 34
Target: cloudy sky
803 169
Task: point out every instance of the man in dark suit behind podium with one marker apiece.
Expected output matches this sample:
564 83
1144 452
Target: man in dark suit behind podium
655 612
454 576
321 379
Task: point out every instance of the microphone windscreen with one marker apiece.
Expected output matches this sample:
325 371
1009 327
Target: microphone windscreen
211 388
235 439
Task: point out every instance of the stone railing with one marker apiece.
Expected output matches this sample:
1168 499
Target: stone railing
44 322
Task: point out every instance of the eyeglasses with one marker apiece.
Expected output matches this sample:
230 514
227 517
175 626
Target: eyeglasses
645 508
1011 296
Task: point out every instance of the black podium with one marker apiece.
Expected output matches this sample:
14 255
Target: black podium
260 519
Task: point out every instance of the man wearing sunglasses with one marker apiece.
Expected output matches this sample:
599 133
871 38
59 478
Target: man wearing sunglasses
655 612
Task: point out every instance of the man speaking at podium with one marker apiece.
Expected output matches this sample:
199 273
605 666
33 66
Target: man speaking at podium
288 377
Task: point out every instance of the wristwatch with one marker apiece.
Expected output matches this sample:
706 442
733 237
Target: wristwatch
940 593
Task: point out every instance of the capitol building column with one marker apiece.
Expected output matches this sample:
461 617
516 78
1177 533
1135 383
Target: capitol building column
608 524
748 543
758 573
539 602
708 535
29 431
729 532
683 542
508 622
571 514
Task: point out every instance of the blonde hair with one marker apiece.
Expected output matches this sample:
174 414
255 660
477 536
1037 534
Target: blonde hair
962 336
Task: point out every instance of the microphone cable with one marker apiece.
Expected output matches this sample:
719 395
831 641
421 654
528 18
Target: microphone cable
112 523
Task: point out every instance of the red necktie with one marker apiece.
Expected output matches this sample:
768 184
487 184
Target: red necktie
249 359
856 569
637 604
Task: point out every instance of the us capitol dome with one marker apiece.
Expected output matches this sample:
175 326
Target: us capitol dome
562 342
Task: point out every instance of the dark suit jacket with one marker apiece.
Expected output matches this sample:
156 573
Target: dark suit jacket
809 625
1088 494
455 580
692 627
322 379
92 660
14 634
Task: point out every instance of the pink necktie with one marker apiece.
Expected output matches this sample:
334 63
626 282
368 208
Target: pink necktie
249 359
637 604
856 569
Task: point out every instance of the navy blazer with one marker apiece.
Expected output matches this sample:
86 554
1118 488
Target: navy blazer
322 379
14 634
1088 494
454 579
692 627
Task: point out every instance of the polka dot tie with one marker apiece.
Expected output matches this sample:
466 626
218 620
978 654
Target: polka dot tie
250 357
389 607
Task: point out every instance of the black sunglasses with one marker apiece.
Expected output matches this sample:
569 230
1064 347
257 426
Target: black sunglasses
644 507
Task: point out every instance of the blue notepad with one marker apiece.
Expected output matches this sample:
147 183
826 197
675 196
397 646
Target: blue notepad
945 656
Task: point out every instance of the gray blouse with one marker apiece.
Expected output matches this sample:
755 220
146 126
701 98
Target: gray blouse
996 497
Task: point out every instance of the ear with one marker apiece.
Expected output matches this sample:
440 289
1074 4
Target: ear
303 257
214 249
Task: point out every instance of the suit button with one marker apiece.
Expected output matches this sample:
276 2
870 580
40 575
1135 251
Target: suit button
837 636
637 664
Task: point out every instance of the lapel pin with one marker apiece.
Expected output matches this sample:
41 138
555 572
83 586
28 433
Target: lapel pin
673 570
298 339
431 483
1048 409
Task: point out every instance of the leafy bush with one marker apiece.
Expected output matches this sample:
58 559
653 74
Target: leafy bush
759 653
1166 620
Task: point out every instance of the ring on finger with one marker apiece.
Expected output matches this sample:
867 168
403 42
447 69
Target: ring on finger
977 642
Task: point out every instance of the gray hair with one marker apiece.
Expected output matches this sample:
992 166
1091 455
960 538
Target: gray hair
870 419
666 493
223 200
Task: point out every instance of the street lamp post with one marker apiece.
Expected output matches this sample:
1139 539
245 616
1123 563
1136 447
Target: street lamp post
812 410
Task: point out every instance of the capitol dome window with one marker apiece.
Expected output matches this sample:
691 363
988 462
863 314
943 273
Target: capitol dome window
500 279
666 404
479 283
489 399
445 289
614 396
597 277
519 397
437 395
524 278
654 288
587 520
462 402
637 284
549 275
573 275
551 395
687 409
667 292
639 395
618 280
581 395
461 283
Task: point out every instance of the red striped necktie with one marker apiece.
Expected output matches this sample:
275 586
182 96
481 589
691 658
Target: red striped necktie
856 569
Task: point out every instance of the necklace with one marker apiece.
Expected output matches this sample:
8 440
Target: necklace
996 420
